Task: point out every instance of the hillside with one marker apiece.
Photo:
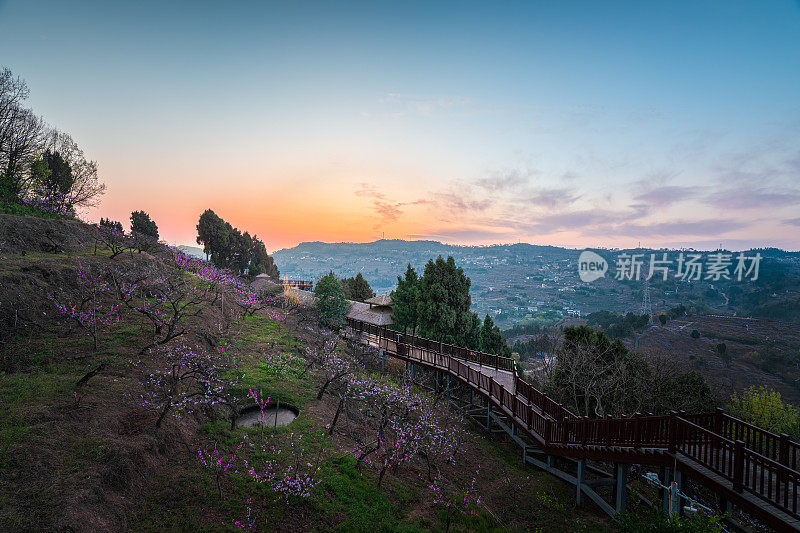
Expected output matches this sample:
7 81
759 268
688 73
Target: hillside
763 352
529 283
89 441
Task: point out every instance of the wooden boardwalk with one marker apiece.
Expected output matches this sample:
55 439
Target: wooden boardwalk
747 466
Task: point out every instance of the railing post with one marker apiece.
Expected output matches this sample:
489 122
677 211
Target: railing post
673 431
637 430
547 430
718 413
738 466
584 428
608 429
783 458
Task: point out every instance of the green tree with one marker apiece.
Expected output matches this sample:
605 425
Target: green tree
331 301
227 247
113 224
261 261
357 288
473 338
404 301
40 172
695 334
595 376
142 223
60 179
663 319
491 339
722 350
443 302
764 408
213 234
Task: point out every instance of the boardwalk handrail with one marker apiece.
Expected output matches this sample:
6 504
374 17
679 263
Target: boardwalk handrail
498 362
752 459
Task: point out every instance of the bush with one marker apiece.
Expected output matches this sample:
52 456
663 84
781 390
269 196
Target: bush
764 408
10 208
695 334
331 301
654 521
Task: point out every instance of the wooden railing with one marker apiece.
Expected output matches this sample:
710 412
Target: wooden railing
302 284
752 459
426 345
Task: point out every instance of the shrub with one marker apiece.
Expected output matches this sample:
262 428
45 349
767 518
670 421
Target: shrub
331 301
654 521
764 408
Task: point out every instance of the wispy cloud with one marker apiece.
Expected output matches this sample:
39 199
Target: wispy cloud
666 195
504 180
464 235
753 198
693 228
403 104
387 210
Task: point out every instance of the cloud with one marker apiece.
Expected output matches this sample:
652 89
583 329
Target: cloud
705 227
461 204
552 198
666 195
753 198
464 235
422 105
501 181
792 221
369 191
387 210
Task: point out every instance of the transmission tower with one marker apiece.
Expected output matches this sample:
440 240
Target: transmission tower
647 308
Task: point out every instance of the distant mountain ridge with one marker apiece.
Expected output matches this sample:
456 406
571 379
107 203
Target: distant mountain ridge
192 250
531 282
405 245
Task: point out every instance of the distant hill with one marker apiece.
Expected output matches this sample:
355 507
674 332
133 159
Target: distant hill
518 283
192 250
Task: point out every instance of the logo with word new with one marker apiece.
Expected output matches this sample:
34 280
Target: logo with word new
591 266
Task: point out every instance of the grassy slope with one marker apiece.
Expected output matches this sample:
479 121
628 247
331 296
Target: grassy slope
99 463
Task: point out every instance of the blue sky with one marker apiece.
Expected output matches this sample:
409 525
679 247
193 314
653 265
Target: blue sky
576 123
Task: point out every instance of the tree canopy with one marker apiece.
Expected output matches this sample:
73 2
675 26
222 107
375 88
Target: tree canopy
764 408
227 247
113 224
594 376
404 301
331 301
491 339
142 223
357 288
443 302
39 165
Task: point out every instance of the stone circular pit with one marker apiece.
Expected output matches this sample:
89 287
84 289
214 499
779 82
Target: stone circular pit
274 415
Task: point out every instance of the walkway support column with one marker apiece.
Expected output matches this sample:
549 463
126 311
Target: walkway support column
620 487
488 416
677 504
579 479
666 479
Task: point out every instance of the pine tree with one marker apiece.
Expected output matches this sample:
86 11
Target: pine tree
443 302
404 301
357 288
331 302
491 340
141 223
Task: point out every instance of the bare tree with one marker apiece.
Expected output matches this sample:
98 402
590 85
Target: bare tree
86 187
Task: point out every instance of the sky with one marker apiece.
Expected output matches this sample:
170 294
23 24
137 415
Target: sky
568 123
